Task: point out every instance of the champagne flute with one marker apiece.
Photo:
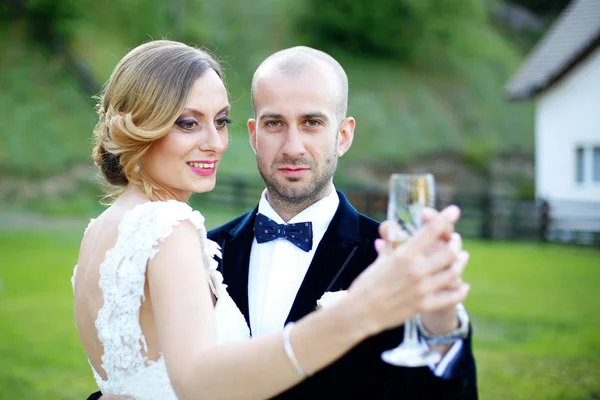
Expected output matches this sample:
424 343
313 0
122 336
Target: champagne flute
408 195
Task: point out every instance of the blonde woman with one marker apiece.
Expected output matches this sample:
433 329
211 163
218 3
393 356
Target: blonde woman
151 309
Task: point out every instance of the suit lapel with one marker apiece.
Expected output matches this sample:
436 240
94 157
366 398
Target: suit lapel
340 244
237 244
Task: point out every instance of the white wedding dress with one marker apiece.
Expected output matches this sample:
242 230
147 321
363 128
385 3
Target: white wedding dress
122 279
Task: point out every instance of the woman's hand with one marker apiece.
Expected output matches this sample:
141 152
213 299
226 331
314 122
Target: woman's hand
445 320
421 275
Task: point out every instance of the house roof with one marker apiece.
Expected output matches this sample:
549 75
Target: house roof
572 37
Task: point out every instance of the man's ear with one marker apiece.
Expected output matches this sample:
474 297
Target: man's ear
252 133
346 135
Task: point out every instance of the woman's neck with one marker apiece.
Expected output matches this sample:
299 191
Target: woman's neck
136 194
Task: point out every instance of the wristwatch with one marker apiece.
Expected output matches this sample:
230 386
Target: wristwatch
447 338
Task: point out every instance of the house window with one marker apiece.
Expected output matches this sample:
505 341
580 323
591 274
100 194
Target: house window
579 160
596 164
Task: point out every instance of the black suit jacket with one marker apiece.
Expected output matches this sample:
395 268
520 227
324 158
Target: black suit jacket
344 252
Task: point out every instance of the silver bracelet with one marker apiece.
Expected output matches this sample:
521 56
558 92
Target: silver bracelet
287 345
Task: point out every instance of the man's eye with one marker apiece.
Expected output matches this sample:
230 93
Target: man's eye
273 124
313 123
187 124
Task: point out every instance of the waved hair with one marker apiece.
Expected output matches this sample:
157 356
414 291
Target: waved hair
140 103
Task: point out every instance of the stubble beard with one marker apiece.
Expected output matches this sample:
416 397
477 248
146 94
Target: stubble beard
293 195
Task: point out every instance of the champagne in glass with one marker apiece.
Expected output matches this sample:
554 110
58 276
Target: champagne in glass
409 194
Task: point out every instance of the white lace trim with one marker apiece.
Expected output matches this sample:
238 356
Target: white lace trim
122 279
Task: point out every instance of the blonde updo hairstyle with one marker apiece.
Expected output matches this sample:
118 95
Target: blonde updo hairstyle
139 104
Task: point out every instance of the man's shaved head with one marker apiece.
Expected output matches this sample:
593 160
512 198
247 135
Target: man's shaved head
293 61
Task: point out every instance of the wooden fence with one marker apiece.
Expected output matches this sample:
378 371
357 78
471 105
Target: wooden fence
483 216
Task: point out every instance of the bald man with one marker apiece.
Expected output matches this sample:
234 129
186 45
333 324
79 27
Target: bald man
299 129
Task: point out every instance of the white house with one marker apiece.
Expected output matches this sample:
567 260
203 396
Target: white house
562 76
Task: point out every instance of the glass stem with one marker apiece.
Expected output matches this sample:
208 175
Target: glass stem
410 331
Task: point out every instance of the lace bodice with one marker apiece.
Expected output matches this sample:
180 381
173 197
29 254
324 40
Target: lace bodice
122 279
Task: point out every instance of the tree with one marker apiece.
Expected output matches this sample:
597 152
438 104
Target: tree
543 8
389 28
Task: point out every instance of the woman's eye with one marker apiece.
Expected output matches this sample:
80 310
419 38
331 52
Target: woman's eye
222 122
187 124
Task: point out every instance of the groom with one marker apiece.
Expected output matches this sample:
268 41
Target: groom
300 129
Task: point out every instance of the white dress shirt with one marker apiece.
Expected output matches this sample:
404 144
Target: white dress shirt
277 269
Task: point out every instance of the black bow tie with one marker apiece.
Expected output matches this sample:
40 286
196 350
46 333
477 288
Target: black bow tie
299 234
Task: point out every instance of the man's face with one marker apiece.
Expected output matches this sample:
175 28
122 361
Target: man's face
297 135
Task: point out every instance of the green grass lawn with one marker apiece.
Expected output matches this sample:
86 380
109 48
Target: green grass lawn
535 311
536 314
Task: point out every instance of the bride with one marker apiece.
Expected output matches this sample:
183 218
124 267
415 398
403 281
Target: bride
151 309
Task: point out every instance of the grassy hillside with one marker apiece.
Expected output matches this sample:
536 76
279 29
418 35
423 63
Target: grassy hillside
46 118
448 99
